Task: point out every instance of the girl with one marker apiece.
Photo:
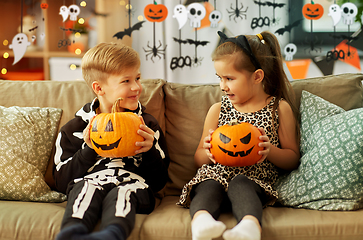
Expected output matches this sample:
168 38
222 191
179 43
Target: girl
257 91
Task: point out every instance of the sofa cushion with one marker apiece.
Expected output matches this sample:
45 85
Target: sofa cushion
152 97
186 108
330 176
344 90
27 138
169 221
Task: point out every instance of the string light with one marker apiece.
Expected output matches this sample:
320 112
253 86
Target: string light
140 18
83 4
78 51
4 71
5 42
81 21
6 55
77 35
122 3
73 66
128 6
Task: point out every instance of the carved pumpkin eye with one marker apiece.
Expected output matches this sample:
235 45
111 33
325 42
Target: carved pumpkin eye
246 139
224 138
94 126
109 126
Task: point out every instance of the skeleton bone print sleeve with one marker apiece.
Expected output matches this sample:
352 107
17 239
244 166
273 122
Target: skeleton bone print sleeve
74 159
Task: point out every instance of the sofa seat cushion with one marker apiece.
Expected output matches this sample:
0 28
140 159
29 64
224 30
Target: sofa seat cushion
169 221
41 221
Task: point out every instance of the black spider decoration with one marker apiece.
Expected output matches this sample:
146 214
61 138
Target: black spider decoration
237 12
155 51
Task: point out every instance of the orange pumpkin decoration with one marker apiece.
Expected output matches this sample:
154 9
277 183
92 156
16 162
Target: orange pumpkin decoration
155 12
236 144
115 134
313 11
44 5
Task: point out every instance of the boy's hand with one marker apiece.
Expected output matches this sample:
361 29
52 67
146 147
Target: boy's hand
265 144
207 146
148 135
86 134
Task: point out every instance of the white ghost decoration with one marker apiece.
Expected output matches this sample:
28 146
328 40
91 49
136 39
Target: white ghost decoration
335 13
19 44
214 17
349 11
64 12
290 50
196 12
181 15
74 11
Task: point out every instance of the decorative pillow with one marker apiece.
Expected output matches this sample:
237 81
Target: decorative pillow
330 175
26 138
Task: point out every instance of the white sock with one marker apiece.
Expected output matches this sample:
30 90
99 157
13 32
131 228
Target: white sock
245 230
205 227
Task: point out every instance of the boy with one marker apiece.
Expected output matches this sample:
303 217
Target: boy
112 190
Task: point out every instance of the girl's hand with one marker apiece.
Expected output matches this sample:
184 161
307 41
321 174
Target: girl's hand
265 144
207 146
148 135
86 134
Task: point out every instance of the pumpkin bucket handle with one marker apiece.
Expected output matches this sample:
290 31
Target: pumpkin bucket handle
116 106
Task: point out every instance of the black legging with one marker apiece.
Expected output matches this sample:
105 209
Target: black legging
246 198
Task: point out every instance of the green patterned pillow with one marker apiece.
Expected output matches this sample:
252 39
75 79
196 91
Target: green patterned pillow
330 175
26 140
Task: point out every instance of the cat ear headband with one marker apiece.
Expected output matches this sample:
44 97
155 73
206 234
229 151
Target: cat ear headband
242 42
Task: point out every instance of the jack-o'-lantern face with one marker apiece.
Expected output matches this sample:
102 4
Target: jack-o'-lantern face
115 134
236 145
155 12
44 5
313 11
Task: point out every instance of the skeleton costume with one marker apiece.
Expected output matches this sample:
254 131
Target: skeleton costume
111 189
263 174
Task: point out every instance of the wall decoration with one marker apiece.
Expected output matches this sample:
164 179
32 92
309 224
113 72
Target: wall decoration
288 28
128 31
181 15
335 12
215 16
63 11
312 11
155 13
260 21
196 12
290 50
73 11
349 12
237 12
19 45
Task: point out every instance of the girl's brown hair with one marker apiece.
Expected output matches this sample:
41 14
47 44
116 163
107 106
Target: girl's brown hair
268 53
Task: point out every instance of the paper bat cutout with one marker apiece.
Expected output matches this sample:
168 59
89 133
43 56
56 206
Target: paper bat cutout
128 31
279 5
288 28
32 29
191 42
99 14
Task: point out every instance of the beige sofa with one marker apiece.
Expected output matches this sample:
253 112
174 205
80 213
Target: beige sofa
180 110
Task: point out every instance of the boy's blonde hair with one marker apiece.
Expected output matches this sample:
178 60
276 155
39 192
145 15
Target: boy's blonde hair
106 59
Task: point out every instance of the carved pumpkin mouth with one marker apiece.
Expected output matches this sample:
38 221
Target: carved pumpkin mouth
107 146
312 16
236 154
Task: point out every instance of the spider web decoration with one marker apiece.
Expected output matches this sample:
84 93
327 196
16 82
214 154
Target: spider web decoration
151 13
128 31
237 12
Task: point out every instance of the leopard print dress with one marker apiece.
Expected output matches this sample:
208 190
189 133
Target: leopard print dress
264 174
